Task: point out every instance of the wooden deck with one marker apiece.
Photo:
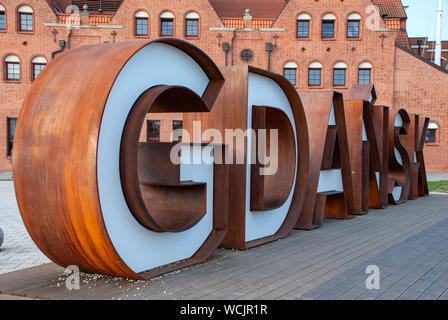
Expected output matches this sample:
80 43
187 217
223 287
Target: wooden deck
301 265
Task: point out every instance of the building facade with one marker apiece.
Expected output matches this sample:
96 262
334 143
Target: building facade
316 44
426 49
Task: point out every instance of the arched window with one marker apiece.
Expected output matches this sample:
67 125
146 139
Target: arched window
364 73
339 74
38 64
12 68
314 74
290 72
2 18
166 24
25 19
431 133
303 25
141 23
328 21
353 25
192 24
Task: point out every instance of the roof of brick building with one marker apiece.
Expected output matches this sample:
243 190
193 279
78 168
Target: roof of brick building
258 8
391 8
93 5
229 8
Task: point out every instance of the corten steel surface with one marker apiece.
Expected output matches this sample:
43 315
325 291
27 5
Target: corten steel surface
328 150
230 112
399 173
354 110
271 191
162 203
364 92
365 156
55 157
421 127
379 155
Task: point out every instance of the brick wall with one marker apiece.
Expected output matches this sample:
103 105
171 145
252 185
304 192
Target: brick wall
422 89
375 47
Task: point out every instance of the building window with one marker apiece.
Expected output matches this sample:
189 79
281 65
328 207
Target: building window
314 74
290 72
153 131
166 24
11 130
431 133
353 23
431 136
2 18
192 24
303 26
38 64
141 23
364 73
328 22
339 74
25 19
177 127
12 68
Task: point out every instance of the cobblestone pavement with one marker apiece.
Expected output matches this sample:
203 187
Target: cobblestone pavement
18 250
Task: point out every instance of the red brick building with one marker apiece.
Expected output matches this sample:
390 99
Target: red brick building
316 44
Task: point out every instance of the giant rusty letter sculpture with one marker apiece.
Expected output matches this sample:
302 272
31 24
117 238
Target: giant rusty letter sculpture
90 194
262 207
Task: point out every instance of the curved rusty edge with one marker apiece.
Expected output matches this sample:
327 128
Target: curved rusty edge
275 187
400 173
55 156
302 157
129 148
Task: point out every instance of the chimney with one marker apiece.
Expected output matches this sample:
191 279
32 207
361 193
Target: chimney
84 16
247 19
438 51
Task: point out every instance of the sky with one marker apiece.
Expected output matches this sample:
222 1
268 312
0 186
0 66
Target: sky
422 18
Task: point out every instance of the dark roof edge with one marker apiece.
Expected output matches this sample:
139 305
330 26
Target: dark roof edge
432 64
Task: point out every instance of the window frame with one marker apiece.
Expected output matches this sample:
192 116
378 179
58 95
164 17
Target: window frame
295 75
359 28
6 20
181 127
370 75
308 29
197 28
333 23
19 21
6 75
9 148
162 20
148 138
309 77
33 69
345 77
136 19
435 136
